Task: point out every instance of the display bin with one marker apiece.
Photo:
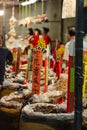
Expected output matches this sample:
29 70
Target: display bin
31 120
31 124
9 118
39 123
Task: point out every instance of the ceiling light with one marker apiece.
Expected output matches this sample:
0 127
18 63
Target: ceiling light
1 12
28 2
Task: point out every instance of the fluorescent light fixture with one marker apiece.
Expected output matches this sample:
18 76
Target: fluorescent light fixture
1 12
28 2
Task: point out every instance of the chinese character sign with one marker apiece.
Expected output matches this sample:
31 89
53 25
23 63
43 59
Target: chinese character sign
36 67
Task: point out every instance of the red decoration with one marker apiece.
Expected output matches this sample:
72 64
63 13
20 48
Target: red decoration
37 63
60 100
58 68
70 95
46 75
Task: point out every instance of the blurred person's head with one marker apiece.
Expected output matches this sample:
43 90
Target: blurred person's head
44 30
30 31
71 32
37 31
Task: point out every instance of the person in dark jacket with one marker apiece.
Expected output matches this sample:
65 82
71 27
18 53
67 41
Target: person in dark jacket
5 56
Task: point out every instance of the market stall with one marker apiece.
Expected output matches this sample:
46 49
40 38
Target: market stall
32 90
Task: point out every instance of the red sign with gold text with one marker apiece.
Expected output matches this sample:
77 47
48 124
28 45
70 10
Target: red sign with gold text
36 69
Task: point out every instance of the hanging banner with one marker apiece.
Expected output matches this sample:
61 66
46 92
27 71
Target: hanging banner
71 78
36 69
71 91
69 9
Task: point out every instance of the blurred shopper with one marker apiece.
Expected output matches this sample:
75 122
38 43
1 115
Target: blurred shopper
37 35
30 36
5 56
70 45
58 57
58 52
45 36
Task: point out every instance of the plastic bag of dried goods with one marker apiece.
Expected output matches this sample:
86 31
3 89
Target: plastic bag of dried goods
37 99
8 84
46 112
50 96
84 114
7 102
84 103
63 82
